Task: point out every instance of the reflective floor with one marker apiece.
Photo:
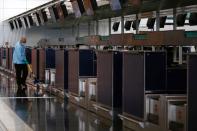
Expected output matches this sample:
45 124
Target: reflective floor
25 111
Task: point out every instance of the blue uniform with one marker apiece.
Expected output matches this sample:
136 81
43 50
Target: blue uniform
19 56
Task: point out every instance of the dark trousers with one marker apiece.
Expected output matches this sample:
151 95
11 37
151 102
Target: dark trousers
21 74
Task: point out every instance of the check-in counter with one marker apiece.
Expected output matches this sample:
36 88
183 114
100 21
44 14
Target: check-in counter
81 67
10 56
92 93
35 62
144 80
5 57
191 92
176 80
49 66
42 63
109 84
174 111
61 61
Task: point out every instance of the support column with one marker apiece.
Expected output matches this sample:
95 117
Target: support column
97 27
174 19
109 26
137 24
157 25
157 20
180 55
78 30
89 24
122 24
175 28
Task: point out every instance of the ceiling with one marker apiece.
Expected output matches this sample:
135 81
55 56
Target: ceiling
105 11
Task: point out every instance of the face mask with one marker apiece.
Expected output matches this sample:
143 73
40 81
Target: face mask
22 43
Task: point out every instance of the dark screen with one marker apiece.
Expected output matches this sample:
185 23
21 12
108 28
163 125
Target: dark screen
162 21
25 20
64 10
50 58
44 15
116 26
16 24
38 18
192 82
135 24
150 23
86 61
30 20
133 84
127 25
11 25
193 19
55 12
20 23
181 19
155 65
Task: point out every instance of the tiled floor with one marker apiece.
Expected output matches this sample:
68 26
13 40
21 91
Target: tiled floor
23 111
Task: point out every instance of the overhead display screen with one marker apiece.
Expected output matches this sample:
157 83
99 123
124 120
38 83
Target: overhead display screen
88 7
60 12
76 9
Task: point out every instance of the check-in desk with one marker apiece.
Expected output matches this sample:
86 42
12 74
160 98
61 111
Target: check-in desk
81 67
144 79
109 84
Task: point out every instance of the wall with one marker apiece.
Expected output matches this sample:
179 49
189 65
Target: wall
35 34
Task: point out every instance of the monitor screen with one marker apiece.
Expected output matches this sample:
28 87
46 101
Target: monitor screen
180 19
11 25
76 9
44 15
52 14
16 25
60 12
64 9
31 22
88 7
19 23
38 18
26 23
193 19
55 10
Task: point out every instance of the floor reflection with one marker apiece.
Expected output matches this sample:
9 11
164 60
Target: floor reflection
46 113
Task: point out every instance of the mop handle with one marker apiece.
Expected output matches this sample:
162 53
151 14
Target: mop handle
29 68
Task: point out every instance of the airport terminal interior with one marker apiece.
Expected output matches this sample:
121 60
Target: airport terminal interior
98 65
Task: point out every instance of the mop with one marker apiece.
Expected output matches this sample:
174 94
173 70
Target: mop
35 81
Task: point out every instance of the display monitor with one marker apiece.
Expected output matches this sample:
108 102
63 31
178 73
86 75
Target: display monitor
116 26
180 19
44 15
127 25
150 23
31 22
162 21
11 25
193 19
26 23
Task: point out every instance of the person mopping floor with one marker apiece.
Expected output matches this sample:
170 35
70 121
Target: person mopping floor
21 64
